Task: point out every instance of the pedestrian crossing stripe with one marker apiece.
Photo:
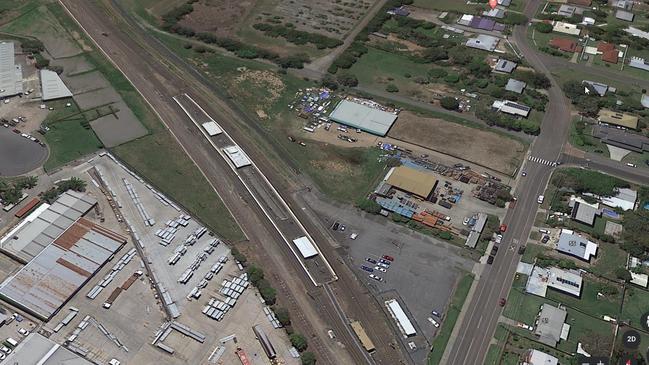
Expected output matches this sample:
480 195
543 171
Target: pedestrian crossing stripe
542 161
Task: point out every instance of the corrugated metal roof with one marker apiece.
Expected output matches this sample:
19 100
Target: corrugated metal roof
11 75
363 117
52 86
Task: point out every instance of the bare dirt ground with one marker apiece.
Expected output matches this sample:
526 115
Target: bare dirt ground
483 147
221 17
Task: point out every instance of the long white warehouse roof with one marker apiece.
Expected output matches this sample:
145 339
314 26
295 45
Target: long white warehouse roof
400 316
11 75
52 86
212 128
307 249
237 156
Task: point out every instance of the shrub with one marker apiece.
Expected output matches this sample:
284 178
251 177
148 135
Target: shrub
450 103
308 358
282 316
391 88
298 341
543 27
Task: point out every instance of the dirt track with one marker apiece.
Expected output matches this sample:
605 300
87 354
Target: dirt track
482 147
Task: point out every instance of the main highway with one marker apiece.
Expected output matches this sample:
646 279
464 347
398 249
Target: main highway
159 75
473 334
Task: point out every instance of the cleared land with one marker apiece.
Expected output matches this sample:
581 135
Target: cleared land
482 147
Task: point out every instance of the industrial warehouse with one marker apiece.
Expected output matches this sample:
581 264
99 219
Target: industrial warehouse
73 251
364 115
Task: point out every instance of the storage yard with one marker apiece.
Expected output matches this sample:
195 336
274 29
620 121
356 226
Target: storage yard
187 302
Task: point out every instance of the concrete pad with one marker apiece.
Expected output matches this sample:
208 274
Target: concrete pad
58 46
86 82
18 155
118 128
617 153
73 65
95 98
613 229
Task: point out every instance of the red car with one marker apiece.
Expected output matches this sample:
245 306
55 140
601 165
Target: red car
503 228
502 302
388 257
16 131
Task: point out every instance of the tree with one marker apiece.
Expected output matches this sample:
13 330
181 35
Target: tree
255 274
391 88
543 27
514 18
241 258
622 274
282 316
450 103
347 79
308 358
329 82
298 341
452 78
368 205
267 292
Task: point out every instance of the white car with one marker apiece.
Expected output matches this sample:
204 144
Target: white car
23 331
434 322
465 221
383 265
2 356
6 350
631 164
540 199
377 278
380 269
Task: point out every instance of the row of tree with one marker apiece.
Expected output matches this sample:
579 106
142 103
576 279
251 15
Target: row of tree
298 37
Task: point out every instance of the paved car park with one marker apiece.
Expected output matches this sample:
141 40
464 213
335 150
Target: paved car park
424 271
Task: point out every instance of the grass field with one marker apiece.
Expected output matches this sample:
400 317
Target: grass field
441 340
532 251
589 302
150 155
520 306
377 68
67 139
635 305
609 257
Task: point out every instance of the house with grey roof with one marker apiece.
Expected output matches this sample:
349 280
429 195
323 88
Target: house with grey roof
638 62
567 10
515 86
576 245
584 212
483 42
598 88
644 100
543 278
505 66
624 15
497 13
510 107
551 326
504 3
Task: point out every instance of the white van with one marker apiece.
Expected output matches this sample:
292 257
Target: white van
12 342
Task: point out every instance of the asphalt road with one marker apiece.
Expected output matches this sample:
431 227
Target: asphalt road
481 317
159 75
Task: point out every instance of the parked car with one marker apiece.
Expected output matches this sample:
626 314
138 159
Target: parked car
523 173
436 314
335 226
494 250
465 221
342 227
521 250
502 302
387 262
388 257
379 268
366 268
6 350
23 331
545 239
384 265
434 322
377 278
369 259
631 164
503 228
490 260
540 199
